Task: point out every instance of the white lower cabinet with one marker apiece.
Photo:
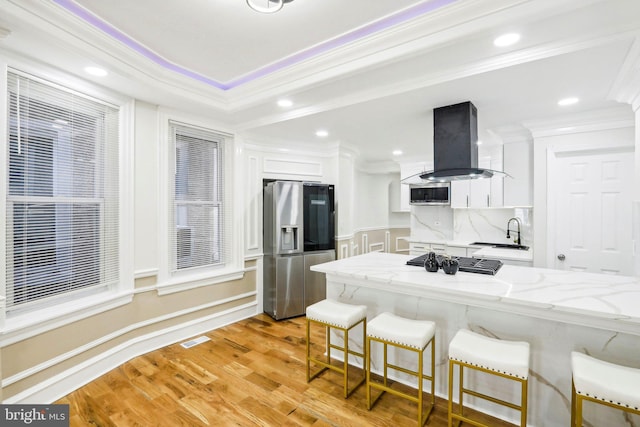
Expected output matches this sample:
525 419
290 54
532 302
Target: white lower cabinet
419 248
456 251
439 248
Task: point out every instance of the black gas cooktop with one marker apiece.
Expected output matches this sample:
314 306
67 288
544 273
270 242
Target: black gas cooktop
469 265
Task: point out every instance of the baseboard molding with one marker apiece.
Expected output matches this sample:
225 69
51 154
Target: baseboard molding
66 382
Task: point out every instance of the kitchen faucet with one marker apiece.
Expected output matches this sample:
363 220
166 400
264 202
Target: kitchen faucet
517 241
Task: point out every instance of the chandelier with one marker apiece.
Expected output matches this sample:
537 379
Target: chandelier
267 6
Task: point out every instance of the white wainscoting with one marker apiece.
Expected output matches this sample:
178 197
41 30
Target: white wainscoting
376 247
406 242
66 382
344 251
254 213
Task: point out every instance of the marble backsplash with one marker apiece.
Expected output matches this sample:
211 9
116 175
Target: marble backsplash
440 223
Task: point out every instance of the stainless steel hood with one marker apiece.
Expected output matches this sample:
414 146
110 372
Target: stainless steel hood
455 145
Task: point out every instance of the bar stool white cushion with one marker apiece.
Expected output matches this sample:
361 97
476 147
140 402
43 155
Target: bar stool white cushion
606 381
398 330
336 313
507 357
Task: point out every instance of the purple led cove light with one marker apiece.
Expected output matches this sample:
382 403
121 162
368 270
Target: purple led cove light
377 26
382 24
126 40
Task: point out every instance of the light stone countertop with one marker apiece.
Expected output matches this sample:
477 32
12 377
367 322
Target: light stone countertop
589 299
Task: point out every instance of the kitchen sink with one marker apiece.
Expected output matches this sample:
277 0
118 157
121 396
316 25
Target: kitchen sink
501 245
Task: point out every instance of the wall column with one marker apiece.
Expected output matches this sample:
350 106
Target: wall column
345 205
636 192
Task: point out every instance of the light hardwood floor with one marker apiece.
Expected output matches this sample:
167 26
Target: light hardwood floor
251 373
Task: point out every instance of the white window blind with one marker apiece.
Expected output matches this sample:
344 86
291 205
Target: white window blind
62 198
198 236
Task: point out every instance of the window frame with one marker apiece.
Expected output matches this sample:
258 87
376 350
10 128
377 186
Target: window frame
181 201
170 281
39 318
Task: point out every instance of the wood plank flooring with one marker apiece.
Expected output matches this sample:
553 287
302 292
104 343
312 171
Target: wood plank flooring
251 373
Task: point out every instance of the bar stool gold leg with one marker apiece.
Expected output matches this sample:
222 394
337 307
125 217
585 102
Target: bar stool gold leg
368 352
433 370
524 400
345 363
308 350
327 334
450 400
420 385
460 396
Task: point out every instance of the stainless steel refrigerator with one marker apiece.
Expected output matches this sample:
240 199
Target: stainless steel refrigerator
296 216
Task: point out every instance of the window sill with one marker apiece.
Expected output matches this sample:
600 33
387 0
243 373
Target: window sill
184 282
31 323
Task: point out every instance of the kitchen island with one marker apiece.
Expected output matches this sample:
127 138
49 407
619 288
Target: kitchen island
555 311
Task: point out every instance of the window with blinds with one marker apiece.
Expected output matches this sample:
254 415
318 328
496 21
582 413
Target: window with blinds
197 219
62 195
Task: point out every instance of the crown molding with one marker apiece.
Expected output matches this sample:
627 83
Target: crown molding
627 85
603 37
417 36
79 40
374 168
298 148
596 120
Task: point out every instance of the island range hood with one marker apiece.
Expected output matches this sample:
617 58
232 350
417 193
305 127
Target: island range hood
455 145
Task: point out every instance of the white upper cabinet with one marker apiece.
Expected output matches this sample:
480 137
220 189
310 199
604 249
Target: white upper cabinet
518 162
480 193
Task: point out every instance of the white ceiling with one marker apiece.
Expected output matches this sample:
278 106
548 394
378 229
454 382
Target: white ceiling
369 72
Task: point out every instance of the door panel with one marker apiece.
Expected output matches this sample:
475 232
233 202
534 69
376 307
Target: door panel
289 298
593 212
315 287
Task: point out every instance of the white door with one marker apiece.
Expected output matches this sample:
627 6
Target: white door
593 211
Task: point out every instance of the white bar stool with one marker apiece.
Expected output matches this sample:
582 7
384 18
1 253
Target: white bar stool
344 317
408 334
602 382
507 359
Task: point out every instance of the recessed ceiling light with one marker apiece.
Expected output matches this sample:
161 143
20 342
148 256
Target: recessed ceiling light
397 152
285 103
507 39
322 133
478 142
568 101
95 71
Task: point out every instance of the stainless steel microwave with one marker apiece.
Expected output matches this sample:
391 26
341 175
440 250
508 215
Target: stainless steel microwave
437 194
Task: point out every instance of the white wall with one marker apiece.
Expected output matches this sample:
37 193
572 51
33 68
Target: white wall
372 209
146 189
636 197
